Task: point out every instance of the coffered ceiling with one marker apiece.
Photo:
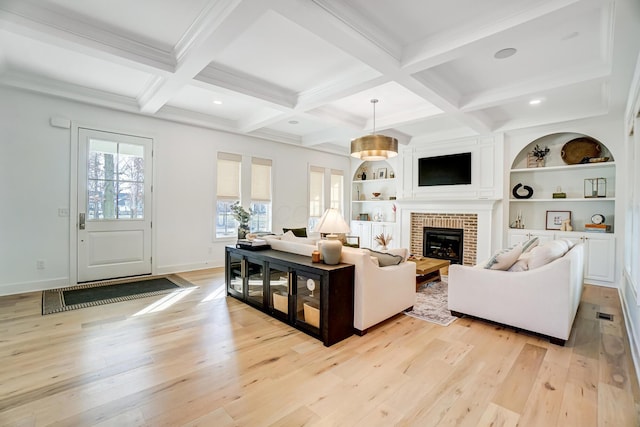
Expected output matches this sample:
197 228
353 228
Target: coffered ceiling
304 71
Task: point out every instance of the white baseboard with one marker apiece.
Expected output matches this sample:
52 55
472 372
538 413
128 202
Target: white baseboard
180 268
632 333
35 286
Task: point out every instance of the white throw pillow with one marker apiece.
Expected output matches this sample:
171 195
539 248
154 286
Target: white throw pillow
290 237
530 244
547 252
522 264
504 259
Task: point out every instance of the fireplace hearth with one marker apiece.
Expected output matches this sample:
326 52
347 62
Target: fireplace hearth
443 243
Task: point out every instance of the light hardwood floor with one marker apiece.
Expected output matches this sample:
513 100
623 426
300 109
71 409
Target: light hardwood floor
210 360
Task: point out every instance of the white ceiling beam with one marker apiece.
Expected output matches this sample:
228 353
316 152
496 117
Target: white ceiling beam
239 82
428 52
329 135
261 120
23 80
338 117
352 17
404 118
77 33
221 25
541 84
443 102
351 85
347 37
337 32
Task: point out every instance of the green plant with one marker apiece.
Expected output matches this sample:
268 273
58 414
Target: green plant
241 215
540 153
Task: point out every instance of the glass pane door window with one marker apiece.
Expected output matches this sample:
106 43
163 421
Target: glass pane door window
308 299
279 290
236 277
255 285
115 180
226 225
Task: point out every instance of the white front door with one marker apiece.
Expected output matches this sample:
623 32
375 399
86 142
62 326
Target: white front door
114 205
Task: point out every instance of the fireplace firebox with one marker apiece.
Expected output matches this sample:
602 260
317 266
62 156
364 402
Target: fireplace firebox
443 243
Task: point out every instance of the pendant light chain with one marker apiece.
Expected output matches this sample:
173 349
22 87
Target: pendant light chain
374 102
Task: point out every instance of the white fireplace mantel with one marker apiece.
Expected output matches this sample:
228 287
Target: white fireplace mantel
483 208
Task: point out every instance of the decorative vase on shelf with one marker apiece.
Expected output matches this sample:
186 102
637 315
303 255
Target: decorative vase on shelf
243 230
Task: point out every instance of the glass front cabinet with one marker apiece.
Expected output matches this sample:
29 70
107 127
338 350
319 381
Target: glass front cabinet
315 298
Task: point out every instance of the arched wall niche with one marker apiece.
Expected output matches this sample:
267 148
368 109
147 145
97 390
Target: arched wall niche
380 169
555 142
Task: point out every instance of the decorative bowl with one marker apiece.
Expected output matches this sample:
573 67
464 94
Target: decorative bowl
376 195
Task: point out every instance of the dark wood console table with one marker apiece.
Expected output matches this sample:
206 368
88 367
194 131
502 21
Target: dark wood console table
314 298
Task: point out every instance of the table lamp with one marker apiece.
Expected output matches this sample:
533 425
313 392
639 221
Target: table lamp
331 223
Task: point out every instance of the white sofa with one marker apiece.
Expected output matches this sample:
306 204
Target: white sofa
542 300
379 292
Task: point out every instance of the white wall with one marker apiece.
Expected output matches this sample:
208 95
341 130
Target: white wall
35 165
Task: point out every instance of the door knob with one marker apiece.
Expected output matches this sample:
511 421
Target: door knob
81 221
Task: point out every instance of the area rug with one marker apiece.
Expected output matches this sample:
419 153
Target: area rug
431 303
107 292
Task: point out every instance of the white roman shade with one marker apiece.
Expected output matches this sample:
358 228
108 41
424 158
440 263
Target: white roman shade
229 176
260 180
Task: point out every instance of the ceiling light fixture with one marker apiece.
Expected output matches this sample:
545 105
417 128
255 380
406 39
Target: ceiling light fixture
217 102
535 101
293 122
505 53
374 147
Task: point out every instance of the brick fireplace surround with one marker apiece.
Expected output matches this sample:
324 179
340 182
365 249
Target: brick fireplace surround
467 222
476 217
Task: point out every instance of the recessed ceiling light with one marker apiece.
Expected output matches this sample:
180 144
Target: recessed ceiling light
535 101
505 53
293 122
217 102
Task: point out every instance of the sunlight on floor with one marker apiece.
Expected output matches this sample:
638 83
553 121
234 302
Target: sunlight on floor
165 302
217 294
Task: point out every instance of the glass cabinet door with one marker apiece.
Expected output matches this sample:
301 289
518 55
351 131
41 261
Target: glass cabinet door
235 279
307 293
279 291
255 282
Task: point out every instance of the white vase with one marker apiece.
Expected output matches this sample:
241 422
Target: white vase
331 250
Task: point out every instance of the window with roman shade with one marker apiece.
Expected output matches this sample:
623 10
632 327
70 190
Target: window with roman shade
228 192
337 190
326 189
261 194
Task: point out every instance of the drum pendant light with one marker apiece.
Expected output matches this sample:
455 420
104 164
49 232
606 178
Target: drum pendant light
374 147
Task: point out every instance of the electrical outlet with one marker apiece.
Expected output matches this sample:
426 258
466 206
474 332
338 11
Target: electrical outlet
63 212
210 250
41 264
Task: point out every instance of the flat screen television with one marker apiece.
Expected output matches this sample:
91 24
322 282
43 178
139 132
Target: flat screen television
451 169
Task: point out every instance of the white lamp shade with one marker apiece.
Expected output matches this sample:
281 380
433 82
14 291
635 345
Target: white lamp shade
332 222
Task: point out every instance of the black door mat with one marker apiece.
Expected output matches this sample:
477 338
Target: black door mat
107 292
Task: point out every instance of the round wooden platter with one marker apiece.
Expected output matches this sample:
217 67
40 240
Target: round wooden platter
574 151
